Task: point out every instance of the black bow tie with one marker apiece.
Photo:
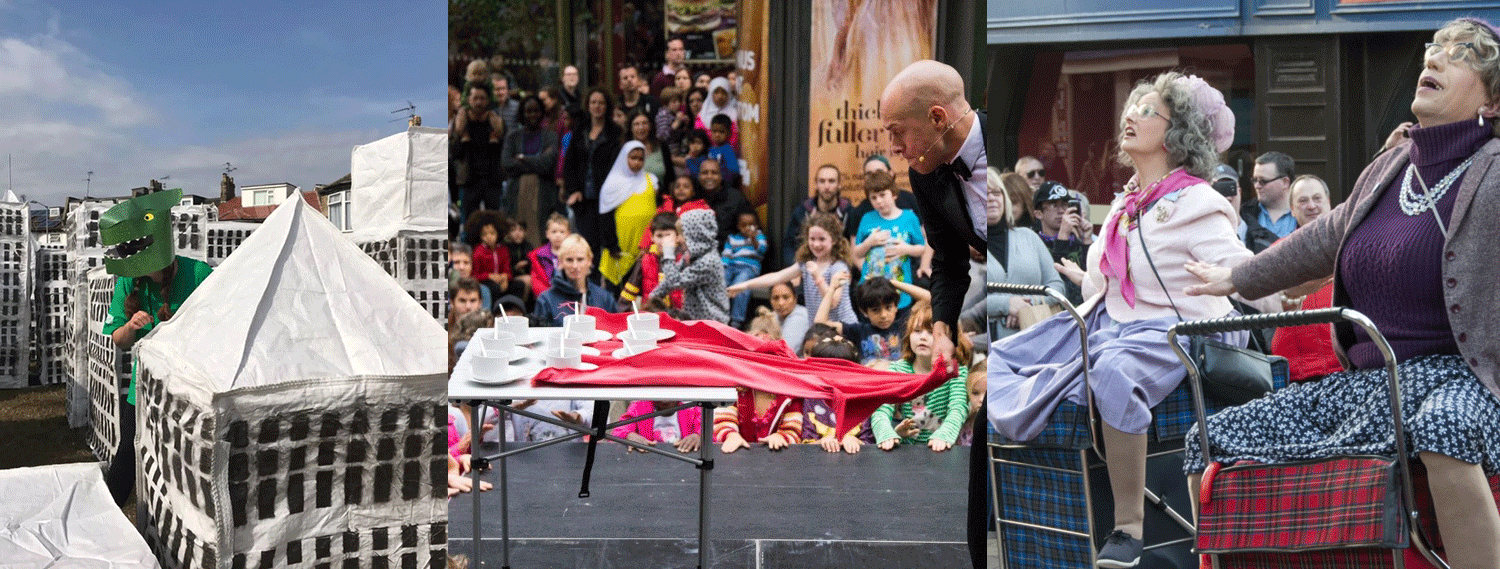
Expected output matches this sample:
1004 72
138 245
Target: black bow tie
957 168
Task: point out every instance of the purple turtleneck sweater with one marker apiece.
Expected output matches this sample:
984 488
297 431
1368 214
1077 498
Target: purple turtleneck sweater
1391 264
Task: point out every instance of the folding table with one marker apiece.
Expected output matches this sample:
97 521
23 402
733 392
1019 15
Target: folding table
462 387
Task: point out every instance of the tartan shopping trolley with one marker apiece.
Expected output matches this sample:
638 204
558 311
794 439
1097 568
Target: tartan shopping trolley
1047 493
1343 511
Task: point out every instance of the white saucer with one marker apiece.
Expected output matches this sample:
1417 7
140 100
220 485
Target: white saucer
533 335
599 336
660 334
623 353
519 353
585 366
516 373
541 353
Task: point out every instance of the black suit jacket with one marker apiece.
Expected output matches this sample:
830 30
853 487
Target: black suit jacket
950 232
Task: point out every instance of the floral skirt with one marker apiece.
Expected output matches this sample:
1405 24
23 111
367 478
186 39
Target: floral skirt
1444 406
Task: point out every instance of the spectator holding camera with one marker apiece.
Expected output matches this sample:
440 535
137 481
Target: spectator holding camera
1064 229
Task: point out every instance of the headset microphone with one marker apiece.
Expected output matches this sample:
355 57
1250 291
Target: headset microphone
945 133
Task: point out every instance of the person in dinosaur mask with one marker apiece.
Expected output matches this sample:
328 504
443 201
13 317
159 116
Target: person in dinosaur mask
152 283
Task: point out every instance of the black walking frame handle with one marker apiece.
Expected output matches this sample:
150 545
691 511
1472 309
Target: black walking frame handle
1299 318
1083 340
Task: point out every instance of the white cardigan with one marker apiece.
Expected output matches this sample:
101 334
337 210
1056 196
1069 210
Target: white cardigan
1194 223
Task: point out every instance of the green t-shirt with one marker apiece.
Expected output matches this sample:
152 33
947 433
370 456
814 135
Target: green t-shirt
949 403
190 273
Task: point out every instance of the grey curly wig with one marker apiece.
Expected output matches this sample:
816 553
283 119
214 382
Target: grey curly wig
1189 143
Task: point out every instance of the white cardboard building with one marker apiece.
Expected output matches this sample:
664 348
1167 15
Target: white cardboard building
302 424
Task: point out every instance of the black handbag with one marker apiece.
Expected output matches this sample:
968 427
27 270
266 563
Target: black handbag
1231 374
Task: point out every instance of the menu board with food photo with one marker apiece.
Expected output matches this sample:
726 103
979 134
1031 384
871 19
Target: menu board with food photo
706 27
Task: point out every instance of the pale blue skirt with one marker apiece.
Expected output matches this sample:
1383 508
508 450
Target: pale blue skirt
1133 369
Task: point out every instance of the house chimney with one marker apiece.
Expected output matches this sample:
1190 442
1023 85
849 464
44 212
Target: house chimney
226 188
415 121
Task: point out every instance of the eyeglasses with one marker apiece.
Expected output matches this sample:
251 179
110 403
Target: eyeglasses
1145 111
1456 52
1037 173
1265 181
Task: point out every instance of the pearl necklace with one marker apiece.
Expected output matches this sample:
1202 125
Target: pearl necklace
1413 204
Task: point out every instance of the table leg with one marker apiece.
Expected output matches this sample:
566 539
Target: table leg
705 443
476 438
504 498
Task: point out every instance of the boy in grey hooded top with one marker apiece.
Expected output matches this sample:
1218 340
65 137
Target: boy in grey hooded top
700 274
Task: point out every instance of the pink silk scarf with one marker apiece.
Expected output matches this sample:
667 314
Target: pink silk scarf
1115 263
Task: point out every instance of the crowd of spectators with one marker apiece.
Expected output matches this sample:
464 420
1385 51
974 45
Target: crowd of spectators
632 194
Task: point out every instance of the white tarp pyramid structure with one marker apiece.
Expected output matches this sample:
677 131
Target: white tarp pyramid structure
293 411
400 183
63 516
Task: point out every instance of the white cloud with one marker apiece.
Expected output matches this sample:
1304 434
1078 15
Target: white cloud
65 114
45 75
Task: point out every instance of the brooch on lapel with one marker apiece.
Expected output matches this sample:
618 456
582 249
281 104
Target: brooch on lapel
1165 210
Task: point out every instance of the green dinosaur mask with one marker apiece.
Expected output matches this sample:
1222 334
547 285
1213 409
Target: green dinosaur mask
138 233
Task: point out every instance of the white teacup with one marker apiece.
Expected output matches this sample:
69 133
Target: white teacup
491 365
515 325
644 321
497 341
637 341
570 339
579 323
565 358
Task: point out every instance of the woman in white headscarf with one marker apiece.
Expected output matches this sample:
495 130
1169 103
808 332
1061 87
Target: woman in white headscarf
720 101
629 193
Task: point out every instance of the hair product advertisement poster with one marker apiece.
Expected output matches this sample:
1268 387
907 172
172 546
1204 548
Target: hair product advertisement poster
857 47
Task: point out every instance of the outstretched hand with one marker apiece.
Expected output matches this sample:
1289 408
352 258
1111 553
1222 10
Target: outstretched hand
942 349
1215 278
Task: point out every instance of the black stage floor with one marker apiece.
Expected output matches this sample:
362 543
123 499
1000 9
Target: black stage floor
800 507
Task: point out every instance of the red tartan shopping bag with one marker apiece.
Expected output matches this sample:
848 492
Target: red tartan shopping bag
1303 506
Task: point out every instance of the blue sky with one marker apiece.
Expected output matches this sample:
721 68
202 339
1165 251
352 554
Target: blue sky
141 90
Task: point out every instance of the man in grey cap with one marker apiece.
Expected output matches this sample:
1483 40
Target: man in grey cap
1227 182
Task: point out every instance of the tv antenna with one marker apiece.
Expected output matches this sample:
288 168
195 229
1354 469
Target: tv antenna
228 168
409 109
88 183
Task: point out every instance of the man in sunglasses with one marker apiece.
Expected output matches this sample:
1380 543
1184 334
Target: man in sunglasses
1269 216
1033 170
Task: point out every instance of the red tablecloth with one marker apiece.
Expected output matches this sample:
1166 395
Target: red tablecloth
712 354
